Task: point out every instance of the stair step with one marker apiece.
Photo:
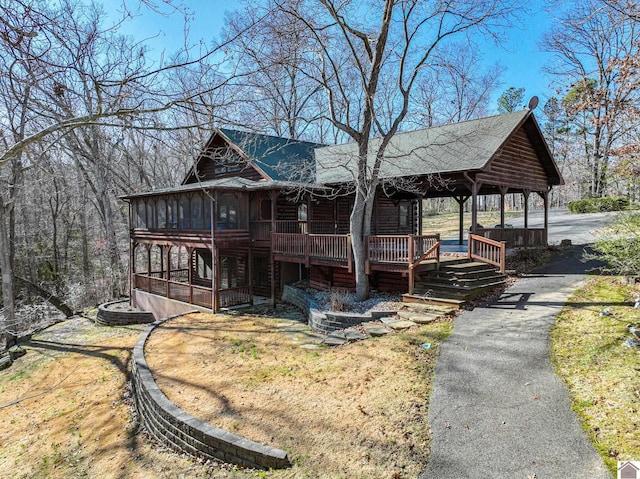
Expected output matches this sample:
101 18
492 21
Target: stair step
468 282
470 266
416 298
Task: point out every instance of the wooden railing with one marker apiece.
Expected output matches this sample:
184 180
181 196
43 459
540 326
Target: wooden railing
261 230
516 237
289 244
193 294
402 248
487 250
234 296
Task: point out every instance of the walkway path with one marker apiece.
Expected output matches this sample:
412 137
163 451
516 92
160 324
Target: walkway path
497 409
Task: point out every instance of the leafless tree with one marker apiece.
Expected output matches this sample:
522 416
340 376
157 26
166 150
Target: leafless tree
368 62
595 48
65 79
456 88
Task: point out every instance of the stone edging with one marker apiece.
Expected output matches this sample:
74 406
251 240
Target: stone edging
177 429
121 317
326 322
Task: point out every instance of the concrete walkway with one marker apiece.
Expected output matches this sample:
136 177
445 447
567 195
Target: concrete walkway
497 409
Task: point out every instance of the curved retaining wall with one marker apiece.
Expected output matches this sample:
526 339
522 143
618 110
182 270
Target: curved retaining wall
326 322
179 430
108 316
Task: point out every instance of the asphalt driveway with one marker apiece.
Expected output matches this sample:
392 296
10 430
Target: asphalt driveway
498 409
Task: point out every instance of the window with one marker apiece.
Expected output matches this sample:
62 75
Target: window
196 211
172 213
226 160
265 210
302 212
227 212
404 214
207 212
228 272
151 213
140 215
183 213
161 212
203 263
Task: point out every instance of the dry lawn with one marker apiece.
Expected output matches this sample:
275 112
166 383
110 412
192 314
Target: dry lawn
356 411
353 411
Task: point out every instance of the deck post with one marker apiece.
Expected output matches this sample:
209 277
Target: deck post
503 192
461 200
526 193
274 198
349 255
190 273
545 200
420 212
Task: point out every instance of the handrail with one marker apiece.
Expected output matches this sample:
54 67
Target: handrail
488 250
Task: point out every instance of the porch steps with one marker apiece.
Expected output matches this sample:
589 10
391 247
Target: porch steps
459 282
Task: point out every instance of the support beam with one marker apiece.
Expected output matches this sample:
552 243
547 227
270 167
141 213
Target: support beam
503 192
525 194
274 197
461 200
420 213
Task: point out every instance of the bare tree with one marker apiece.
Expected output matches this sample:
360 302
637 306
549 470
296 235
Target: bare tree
595 47
368 64
457 88
61 70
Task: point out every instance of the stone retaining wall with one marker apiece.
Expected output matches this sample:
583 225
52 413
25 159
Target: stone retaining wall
326 322
179 430
108 316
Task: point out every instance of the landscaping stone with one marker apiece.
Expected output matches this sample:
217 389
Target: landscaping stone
375 330
354 335
388 319
310 346
335 339
401 324
424 318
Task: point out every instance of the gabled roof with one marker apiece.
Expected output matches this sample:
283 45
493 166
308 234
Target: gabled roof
275 158
460 147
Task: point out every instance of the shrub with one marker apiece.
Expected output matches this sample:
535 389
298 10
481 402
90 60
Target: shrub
621 249
595 205
339 300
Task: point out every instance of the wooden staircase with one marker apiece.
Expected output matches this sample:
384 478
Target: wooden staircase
455 283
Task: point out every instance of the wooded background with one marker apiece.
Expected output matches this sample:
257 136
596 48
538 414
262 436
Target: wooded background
89 114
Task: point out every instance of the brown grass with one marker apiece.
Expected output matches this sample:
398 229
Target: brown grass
353 411
356 411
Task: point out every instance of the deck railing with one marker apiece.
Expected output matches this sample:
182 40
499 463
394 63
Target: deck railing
191 293
401 248
261 230
234 296
487 250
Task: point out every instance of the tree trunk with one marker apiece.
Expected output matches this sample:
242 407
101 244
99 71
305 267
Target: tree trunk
9 309
47 296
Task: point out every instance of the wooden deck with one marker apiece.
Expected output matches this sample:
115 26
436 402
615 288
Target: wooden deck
388 252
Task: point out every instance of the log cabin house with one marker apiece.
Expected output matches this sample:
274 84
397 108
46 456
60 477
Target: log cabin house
256 212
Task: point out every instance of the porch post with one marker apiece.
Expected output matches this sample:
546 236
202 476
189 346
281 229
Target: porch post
250 275
168 273
190 272
461 200
214 259
274 198
420 211
503 192
545 200
526 193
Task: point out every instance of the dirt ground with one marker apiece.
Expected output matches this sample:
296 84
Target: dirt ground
354 411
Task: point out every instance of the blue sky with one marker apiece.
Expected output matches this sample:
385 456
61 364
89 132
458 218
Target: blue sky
519 53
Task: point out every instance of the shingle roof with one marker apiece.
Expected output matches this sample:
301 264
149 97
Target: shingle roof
233 183
279 158
465 146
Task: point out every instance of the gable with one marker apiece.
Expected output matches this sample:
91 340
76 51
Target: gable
253 156
516 164
220 159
